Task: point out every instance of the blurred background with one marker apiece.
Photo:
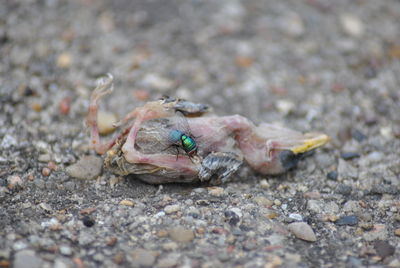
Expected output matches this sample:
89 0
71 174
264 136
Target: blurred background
271 61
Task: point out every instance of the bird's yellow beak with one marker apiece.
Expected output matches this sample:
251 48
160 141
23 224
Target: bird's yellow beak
308 144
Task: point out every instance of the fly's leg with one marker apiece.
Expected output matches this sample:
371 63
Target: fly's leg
218 166
177 150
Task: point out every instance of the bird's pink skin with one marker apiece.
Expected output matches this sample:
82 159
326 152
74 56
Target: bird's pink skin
258 145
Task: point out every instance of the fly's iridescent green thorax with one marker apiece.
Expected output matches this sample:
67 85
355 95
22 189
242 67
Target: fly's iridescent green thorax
188 143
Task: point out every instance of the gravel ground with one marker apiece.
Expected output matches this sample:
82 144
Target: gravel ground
311 65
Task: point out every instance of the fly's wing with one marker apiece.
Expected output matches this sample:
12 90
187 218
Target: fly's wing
166 133
154 137
180 123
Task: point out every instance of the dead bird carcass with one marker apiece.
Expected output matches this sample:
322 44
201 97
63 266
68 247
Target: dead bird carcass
172 140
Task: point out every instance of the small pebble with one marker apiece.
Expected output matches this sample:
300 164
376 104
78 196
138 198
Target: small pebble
46 171
262 201
202 202
65 250
315 206
379 232
366 226
216 191
284 106
312 195
162 233
343 189
64 60
332 175
347 220
375 157
105 121
143 258
358 135
169 261
88 221
37 107
275 261
87 211
249 245
352 25
180 234
170 246
232 217
52 165
126 202
26 258
396 130
386 132
118 258
243 61
88 167
296 217
172 209
264 184
294 25
346 171
112 241
383 249
353 262
44 158
46 207
397 232
331 208
384 189
303 231
351 206
65 105
14 182
349 155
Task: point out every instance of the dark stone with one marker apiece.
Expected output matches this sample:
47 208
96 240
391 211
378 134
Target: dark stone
349 155
203 203
332 175
343 189
353 262
249 245
383 248
194 215
232 217
87 221
358 135
384 189
237 232
347 220
245 228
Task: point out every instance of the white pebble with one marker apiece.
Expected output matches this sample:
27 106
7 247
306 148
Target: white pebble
303 231
352 25
172 209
